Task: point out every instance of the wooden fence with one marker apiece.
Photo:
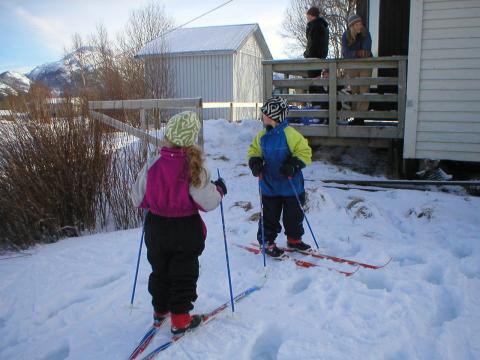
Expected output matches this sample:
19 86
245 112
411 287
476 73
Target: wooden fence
143 105
232 106
194 104
296 81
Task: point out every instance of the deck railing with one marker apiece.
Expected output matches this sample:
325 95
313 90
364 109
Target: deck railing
389 124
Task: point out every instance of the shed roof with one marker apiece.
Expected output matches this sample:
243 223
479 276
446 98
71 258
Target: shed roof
209 39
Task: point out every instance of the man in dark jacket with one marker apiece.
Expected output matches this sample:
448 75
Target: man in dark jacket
317 46
317 35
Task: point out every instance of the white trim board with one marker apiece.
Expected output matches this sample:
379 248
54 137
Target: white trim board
413 78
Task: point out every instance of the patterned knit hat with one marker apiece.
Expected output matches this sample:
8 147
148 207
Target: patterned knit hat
275 108
352 19
182 129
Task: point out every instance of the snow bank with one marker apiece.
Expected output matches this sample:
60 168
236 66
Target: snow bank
69 300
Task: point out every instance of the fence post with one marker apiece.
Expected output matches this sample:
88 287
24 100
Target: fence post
332 98
267 82
200 117
231 112
144 125
285 77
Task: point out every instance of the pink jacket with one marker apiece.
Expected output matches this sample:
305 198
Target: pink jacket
163 187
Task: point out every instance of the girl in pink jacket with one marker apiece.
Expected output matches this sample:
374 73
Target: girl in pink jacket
173 187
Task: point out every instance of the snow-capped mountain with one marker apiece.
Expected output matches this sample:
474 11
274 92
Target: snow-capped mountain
13 83
6 90
61 74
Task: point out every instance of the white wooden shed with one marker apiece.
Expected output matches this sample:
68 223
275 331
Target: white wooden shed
442 119
216 63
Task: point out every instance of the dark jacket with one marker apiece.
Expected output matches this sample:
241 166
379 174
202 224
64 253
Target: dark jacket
317 39
362 42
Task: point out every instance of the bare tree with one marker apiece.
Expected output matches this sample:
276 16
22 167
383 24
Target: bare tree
143 26
52 171
336 13
81 71
82 170
77 43
107 68
106 65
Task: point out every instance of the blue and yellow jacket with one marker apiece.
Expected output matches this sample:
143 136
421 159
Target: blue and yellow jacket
275 146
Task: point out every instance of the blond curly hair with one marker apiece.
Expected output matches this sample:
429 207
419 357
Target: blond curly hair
195 162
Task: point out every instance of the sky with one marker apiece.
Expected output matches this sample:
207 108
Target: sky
33 32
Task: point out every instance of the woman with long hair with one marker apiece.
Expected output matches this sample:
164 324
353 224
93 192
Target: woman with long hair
356 44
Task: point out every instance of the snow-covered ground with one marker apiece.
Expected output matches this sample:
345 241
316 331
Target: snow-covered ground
70 300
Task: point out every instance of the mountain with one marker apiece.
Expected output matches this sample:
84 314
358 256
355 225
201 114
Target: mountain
13 83
57 75
63 74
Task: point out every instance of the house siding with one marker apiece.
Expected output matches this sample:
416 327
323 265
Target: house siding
444 119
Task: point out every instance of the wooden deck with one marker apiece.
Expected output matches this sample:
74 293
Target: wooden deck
386 127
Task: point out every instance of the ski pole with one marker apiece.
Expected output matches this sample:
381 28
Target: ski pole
262 230
303 211
138 260
226 252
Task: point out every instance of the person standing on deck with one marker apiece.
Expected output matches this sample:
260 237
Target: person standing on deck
317 34
357 44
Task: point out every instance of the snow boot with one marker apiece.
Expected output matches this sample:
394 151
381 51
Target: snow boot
297 244
438 175
184 322
159 317
273 251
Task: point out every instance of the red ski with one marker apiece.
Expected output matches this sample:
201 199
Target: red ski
318 255
305 264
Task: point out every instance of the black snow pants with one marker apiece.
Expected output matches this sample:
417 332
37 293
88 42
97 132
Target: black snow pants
173 248
292 218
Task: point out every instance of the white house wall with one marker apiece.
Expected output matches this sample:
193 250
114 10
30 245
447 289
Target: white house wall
443 95
248 77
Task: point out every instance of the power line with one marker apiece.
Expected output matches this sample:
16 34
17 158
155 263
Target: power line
198 17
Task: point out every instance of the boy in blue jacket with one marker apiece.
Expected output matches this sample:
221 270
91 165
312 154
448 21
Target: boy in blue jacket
277 156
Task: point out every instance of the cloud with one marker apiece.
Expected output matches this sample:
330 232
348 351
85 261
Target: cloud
50 31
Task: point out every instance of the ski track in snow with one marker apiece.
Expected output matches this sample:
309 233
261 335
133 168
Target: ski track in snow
70 300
